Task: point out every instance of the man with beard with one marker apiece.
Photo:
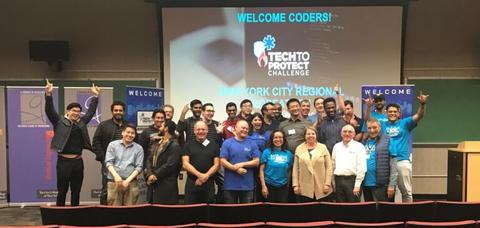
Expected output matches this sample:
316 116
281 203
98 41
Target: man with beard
229 124
269 121
152 134
319 114
378 112
277 113
108 131
185 126
329 131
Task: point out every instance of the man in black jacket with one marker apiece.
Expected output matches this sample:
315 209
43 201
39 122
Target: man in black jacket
108 131
69 139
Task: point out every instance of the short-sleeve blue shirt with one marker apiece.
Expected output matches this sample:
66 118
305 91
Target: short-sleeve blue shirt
370 176
235 152
260 139
400 137
277 166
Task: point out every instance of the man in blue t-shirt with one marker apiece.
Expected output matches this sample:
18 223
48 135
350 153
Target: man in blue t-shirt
399 132
378 112
239 156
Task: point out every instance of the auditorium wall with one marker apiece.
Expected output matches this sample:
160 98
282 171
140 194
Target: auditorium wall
108 39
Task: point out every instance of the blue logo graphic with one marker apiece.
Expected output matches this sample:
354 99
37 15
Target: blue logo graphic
269 42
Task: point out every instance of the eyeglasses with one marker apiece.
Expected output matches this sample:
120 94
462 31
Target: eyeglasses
231 110
209 110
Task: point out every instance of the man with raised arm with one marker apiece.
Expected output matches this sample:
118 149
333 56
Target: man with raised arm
69 139
398 129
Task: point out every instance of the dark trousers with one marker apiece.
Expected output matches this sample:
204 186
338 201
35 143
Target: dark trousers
277 194
219 182
199 194
344 189
69 174
103 193
375 193
236 196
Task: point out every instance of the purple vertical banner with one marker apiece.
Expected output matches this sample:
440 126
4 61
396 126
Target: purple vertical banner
32 176
141 100
83 98
404 95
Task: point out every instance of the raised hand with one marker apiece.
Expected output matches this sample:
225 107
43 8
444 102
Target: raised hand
185 109
336 89
48 88
219 128
95 89
368 101
422 98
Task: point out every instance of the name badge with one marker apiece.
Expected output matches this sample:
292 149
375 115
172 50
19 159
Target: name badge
206 142
291 131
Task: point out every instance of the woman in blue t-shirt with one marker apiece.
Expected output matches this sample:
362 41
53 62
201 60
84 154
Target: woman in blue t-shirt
257 133
275 163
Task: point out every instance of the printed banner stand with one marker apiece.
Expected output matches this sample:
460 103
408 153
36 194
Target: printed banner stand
3 151
32 176
92 181
141 101
404 95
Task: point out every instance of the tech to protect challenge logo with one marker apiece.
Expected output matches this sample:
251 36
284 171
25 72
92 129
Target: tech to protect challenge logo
280 63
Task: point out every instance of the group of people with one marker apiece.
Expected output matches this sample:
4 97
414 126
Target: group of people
331 155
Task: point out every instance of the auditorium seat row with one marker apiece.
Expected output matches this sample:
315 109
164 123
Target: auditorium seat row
365 212
466 223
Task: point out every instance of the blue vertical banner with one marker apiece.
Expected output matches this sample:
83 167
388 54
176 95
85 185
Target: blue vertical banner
31 162
141 101
404 95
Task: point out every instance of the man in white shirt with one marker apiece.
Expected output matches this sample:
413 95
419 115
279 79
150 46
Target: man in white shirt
349 166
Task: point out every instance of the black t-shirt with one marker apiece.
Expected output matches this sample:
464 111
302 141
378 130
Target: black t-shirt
75 141
201 156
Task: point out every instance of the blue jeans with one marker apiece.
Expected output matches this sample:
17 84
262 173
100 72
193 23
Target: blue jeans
237 196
